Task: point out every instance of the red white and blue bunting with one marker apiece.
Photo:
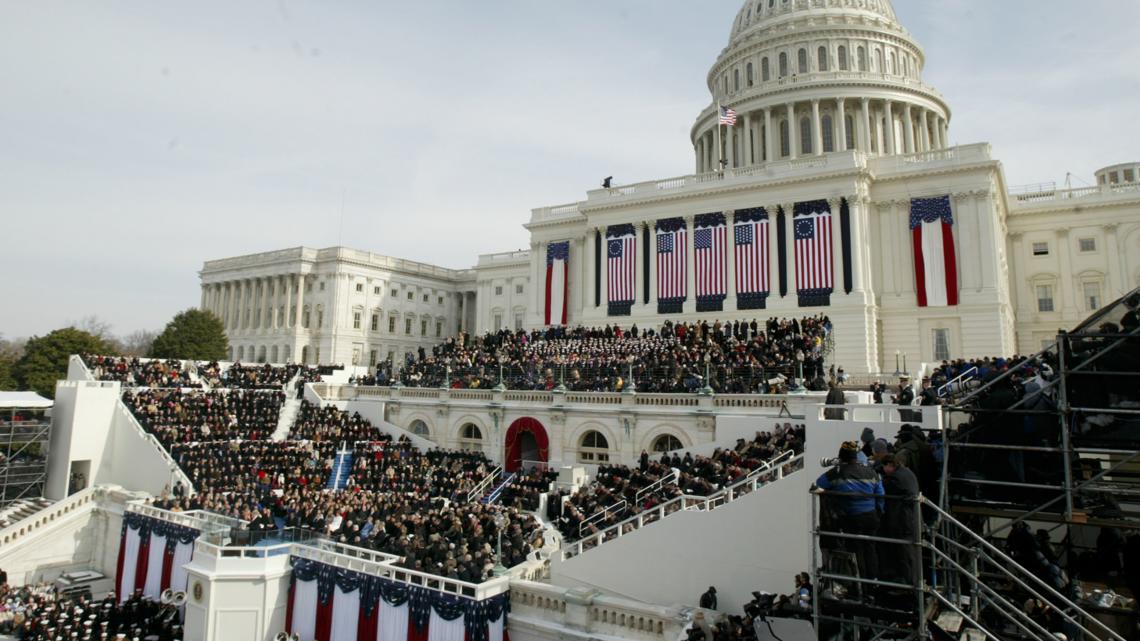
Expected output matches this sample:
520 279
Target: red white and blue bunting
152 556
328 603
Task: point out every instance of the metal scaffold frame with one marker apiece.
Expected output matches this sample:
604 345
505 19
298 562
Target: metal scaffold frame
23 453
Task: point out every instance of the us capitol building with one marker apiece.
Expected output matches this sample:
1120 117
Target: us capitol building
834 190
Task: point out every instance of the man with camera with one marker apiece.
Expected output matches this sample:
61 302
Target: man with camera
853 503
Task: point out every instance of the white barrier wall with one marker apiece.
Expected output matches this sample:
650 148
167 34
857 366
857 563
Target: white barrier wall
81 431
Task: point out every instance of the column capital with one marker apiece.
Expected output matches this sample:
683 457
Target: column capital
789 208
1062 232
835 203
1015 235
815 102
1111 227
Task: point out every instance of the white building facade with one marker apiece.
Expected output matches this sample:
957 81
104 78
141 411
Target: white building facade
838 149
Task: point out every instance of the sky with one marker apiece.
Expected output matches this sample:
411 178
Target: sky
139 139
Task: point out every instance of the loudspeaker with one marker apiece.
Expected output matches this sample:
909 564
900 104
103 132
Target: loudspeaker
784 630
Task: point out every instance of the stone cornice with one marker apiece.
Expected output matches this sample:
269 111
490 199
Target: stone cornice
770 39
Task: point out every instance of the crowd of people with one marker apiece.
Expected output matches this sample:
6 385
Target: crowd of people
135 372
619 492
35 612
187 416
739 357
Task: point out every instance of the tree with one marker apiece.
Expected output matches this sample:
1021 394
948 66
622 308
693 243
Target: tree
45 358
9 354
193 334
138 343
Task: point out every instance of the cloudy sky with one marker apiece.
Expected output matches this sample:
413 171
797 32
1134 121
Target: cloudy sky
139 138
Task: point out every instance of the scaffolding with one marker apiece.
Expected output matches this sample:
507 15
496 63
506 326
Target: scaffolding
25 433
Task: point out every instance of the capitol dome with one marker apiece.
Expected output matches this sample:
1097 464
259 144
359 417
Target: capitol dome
812 77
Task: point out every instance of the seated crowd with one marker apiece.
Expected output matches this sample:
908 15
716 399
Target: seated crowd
175 415
619 492
36 613
136 372
742 357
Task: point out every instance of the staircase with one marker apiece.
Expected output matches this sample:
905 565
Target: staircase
289 411
493 495
342 468
20 509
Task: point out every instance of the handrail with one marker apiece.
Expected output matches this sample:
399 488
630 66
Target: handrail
20 530
670 477
601 514
498 491
950 385
708 503
1005 563
1008 373
481 487
175 468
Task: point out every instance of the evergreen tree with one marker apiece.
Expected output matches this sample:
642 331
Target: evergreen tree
45 358
193 334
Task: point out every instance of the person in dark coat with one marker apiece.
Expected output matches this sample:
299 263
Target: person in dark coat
708 599
834 397
644 461
899 562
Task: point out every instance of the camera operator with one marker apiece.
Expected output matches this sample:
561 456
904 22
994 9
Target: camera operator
857 503
797 604
900 561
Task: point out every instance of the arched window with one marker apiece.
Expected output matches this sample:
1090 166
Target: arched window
893 67
765 72
419 428
261 354
785 142
783 64
241 353
821 57
842 58
666 443
805 135
594 448
305 355
276 354
862 55
749 73
828 134
850 125
802 61
880 67
736 80
470 438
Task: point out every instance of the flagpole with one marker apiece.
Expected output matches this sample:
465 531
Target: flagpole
719 151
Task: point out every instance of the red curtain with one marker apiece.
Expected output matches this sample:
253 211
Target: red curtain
289 607
119 565
514 446
167 566
144 560
417 634
366 625
324 620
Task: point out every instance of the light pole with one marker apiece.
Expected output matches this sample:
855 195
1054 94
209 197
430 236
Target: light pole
630 385
501 387
707 390
500 523
561 387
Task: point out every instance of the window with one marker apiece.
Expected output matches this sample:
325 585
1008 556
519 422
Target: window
805 135
842 58
305 319
518 289
355 320
861 54
395 293
408 326
802 61
893 67
498 324
765 72
1114 178
850 133
308 287
1044 298
1091 293
941 344
320 318
426 296
1040 249
518 320
375 322
441 300
1087 244
376 290
736 80
785 143
391 324
828 134
821 58
410 295
783 64
666 443
360 287
498 290
438 329
1129 175
423 328
749 74
470 438
322 285
594 448
372 358
419 428
391 356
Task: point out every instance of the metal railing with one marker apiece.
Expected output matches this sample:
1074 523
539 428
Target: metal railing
671 477
959 380
602 514
480 488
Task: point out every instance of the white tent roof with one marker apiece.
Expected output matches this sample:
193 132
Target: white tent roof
24 399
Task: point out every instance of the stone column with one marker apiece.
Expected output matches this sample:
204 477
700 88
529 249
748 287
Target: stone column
730 146
1114 272
816 129
773 253
241 304
790 243
537 282
652 251
908 130
639 274
262 324
924 125
300 310
865 118
588 269
836 205
884 216
1016 249
690 306
729 263
604 265
841 113
748 143
698 151
944 132
793 132
287 283
889 117
769 137
860 227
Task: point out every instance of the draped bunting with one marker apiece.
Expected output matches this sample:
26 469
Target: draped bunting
621 269
812 231
672 277
750 234
710 248
152 585
385 610
152 555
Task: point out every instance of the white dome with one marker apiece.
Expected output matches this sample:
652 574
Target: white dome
761 14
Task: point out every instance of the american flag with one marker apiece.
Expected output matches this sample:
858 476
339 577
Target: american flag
727 116
708 257
622 267
671 248
813 249
751 234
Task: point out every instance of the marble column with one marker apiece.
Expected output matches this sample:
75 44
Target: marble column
590 271
729 263
790 244
690 306
865 117
639 274
300 300
773 252
538 282
889 126
924 125
860 225
730 146
816 129
287 283
836 205
841 113
652 251
1066 279
793 132
908 130
264 315
1114 271
604 285
769 137
944 132
748 141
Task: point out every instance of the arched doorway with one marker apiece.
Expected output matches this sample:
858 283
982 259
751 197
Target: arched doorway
526 441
